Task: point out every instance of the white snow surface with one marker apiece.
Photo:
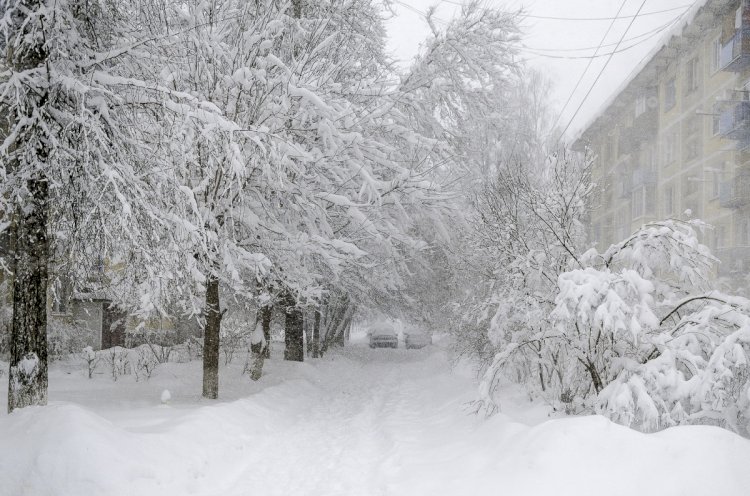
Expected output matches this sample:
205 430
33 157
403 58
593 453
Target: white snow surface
358 422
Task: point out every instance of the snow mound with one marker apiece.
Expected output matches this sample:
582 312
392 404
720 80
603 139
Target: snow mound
360 422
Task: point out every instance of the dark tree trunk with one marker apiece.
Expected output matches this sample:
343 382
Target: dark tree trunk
316 335
293 332
340 319
265 319
27 383
211 340
260 351
307 329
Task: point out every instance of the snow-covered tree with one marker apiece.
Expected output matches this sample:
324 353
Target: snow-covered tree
75 171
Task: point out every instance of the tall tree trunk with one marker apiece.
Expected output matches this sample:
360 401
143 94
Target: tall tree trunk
340 319
27 380
293 333
211 340
343 332
307 328
260 350
27 384
316 335
265 318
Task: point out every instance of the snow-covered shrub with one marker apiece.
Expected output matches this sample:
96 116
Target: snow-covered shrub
235 334
696 370
187 351
635 334
91 359
118 360
145 363
64 338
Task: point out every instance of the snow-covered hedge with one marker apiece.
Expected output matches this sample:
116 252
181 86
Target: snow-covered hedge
635 333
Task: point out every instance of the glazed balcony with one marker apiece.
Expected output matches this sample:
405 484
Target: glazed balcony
735 53
642 177
735 193
735 261
734 122
623 186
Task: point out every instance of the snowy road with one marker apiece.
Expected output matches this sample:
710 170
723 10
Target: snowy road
361 422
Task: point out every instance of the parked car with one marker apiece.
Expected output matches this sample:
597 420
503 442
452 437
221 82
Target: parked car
383 336
417 339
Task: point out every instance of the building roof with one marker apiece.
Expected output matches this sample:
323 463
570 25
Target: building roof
668 39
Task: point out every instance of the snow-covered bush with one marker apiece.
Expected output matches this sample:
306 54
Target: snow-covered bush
118 360
145 363
635 334
64 338
91 359
191 349
696 369
235 334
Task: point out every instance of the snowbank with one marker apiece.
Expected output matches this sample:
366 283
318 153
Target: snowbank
360 422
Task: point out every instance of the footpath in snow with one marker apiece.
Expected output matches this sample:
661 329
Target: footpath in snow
359 422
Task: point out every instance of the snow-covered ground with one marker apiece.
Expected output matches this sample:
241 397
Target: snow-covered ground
359 422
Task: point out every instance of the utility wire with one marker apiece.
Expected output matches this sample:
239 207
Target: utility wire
591 60
646 34
596 56
654 12
570 121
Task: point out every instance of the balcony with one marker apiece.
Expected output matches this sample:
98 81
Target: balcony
622 186
735 261
735 53
734 122
642 177
736 192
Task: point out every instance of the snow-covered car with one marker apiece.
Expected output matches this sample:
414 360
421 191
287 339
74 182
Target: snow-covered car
417 339
383 336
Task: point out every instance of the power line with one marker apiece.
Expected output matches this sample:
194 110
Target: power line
591 60
570 121
596 56
646 34
617 16
655 12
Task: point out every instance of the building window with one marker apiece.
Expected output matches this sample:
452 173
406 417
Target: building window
716 175
650 200
670 148
715 119
648 159
640 106
637 203
715 55
692 148
690 185
692 138
692 75
743 233
670 94
668 200
720 236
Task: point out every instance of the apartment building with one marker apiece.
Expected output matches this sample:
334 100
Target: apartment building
674 141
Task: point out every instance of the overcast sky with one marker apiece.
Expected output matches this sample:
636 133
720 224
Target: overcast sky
574 40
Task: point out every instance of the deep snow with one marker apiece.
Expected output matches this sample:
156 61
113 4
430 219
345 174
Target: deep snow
359 422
